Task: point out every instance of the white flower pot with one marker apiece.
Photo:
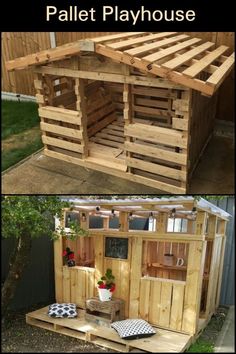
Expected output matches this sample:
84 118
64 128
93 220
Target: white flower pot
104 294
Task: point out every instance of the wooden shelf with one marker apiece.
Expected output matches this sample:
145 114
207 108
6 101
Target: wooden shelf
162 266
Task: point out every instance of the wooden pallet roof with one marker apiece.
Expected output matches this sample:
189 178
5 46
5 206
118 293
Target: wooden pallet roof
140 206
178 57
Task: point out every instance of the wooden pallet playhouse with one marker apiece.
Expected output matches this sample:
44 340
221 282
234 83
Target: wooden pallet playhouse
132 104
177 299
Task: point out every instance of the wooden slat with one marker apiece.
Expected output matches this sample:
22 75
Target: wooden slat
182 124
166 293
73 133
80 291
156 134
66 285
58 264
196 68
145 48
106 142
177 307
144 299
162 186
110 37
60 114
44 56
219 75
155 301
101 124
183 58
135 275
151 103
165 52
157 169
153 112
156 152
153 92
63 144
128 42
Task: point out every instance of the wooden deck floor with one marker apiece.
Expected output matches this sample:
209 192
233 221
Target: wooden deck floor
163 341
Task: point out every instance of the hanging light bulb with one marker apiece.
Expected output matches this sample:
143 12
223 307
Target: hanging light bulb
173 213
83 217
194 211
113 213
130 217
151 216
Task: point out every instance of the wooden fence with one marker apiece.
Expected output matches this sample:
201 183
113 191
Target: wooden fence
17 44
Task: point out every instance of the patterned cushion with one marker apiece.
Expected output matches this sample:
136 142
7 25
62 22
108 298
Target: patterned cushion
62 310
133 329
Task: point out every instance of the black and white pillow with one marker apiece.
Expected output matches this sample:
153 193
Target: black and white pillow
133 329
62 310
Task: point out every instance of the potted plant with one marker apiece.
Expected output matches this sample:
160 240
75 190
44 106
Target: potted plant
69 256
106 286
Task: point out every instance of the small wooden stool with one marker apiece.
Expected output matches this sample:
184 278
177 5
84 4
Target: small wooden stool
104 312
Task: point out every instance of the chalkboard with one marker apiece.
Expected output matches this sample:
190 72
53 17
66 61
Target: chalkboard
116 247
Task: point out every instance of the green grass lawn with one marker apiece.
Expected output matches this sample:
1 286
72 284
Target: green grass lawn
201 346
20 131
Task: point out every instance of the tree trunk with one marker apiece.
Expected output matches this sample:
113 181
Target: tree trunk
18 261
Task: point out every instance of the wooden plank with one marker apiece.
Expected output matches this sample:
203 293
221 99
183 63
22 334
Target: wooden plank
69 132
152 46
183 58
151 103
116 36
152 112
156 168
99 256
173 49
60 114
181 124
44 56
102 124
156 152
192 296
99 114
58 264
117 164
139 40
144 299
177 307
73 284
220 74
165 305
135 275
66 284
63 144
153 92
125 282
199 66
64 99
115 172
106 142
81 288
155 301
156 134
132 79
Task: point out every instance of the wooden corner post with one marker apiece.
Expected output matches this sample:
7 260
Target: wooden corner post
196 258
58 265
